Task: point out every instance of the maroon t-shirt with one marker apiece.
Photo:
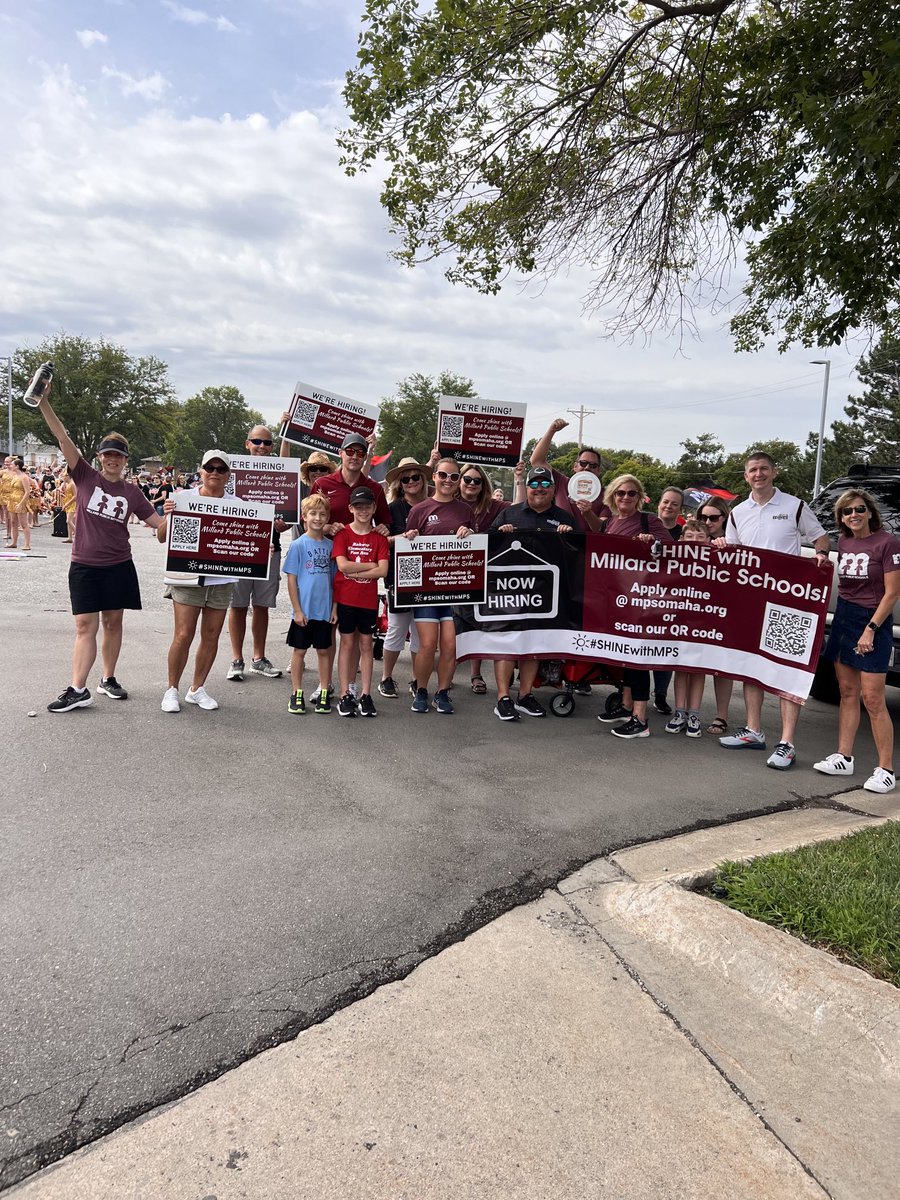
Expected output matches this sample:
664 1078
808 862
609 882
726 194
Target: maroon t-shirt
434 517
358 547
101 523
561 500
338 492
631 527
863 564
483 521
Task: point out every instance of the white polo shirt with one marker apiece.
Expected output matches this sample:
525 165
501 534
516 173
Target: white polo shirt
782 523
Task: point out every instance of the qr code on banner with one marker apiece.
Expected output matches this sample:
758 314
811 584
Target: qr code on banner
451 429
185 534
409 570
788 632
305 413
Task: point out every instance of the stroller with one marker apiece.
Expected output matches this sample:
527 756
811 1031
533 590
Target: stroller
567 676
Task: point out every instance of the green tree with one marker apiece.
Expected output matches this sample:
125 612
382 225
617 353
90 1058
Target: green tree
794 472
702 458
216 417
873 425
98 387
648 142
407 423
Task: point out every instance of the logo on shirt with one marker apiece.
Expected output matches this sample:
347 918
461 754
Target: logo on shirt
431 518
111 508
781 516
318 560
854 566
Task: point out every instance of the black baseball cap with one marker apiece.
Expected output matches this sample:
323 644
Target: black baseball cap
360 495
539 473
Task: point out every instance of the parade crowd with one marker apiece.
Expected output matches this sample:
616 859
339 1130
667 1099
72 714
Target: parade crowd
338 565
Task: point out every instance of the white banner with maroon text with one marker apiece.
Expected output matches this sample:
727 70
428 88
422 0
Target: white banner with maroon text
756 615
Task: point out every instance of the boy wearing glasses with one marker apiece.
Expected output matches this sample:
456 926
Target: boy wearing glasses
261 593
362 555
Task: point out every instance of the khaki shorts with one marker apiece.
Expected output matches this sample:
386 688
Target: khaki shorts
261 593
208 595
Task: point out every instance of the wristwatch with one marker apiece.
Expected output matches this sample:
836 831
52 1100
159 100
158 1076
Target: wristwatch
871 625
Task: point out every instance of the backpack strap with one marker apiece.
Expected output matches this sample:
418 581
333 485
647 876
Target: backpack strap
799 513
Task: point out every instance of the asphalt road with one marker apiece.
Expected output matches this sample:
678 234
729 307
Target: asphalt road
178 892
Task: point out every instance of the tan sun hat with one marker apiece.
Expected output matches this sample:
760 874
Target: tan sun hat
406 464
316 459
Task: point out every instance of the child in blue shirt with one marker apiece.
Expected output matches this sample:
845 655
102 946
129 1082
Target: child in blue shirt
310 574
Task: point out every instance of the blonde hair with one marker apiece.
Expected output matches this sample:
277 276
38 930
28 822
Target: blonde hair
609 496
317 501
120 437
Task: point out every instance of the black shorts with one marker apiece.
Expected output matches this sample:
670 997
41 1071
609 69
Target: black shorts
314 633
356 620
103 589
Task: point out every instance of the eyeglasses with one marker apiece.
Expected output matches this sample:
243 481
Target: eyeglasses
405 479
215 470
854 508
473 480
710 516
534 484
260 441
318 469
631 495
587 466
451 475
355 452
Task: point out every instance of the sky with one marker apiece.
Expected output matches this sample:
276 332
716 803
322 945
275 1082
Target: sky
172 184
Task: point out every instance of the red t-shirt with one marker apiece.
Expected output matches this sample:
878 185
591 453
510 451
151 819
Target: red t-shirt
434 517
103 509
358 547
338 492
863 564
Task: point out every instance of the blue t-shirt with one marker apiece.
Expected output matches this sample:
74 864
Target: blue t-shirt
310 561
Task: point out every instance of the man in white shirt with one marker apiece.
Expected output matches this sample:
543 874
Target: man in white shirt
770 520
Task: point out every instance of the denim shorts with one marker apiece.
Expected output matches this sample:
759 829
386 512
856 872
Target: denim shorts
433 612
849 622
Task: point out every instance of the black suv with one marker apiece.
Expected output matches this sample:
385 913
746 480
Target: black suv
883 482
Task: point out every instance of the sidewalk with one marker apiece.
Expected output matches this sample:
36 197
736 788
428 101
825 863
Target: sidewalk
620 1037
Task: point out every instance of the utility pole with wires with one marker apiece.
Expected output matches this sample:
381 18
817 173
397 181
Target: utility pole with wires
581 413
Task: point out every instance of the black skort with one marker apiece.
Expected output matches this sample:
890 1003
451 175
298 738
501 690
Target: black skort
103 589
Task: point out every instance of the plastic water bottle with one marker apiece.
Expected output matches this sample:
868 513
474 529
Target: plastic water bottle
40 381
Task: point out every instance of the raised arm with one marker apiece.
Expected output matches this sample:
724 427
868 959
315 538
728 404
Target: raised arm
71 453
542 449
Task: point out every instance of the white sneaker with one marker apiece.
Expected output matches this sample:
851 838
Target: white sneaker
200 697
170 701
880 781
835 764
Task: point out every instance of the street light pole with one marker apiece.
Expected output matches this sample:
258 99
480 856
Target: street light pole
821 362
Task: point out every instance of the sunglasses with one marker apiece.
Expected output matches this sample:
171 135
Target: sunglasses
587 466
854 508
405 479
473 480
710 516
630 495
318 469
260 441
211 470
451 475
534 484
355 452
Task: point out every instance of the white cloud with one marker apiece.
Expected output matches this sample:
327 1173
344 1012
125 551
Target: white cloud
238 252
91 37
149 87
196 16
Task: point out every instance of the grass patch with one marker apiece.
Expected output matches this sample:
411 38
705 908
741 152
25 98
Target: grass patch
843 896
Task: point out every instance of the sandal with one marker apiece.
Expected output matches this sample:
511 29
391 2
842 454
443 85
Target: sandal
718 726
479 687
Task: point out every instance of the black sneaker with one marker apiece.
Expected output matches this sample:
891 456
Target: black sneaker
297 704
583 689
530 707
346 706
69 699
112 688
632 729
366 707
661 704
388 688
505 709
615 712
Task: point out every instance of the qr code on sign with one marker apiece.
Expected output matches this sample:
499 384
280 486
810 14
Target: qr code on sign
409 573
305 413
451 429
788 632
185 534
